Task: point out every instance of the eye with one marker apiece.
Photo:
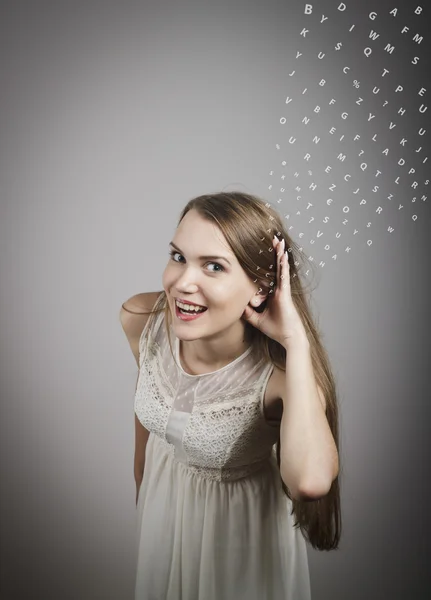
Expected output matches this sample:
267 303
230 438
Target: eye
173 252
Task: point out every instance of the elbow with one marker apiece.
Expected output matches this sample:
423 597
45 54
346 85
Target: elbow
319 486
312 494
310 489
306 493
315 490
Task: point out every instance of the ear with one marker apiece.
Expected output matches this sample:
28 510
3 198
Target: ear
258 298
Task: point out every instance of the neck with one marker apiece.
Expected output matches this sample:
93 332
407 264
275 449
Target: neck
214 354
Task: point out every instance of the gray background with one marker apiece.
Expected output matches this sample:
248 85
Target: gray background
113 115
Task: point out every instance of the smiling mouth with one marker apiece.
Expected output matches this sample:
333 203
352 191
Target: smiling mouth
188 315
188 303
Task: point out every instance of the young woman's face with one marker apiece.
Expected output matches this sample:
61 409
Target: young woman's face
216 283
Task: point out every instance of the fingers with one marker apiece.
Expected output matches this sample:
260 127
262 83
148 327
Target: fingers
285 271
283 268
279 248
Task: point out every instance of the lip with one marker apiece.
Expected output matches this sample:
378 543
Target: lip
191 303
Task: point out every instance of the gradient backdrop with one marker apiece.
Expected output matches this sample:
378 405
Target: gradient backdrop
113 115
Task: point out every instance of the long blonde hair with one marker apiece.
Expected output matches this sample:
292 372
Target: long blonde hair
249 224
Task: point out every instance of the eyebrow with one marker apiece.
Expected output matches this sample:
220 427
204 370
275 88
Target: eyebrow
202 257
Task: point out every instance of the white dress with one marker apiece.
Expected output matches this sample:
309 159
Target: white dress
213 522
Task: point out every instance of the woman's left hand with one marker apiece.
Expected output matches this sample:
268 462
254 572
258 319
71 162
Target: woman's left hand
280 319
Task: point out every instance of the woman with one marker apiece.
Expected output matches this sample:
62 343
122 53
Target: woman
220 514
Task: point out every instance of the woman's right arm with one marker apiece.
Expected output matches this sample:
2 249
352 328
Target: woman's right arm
133 325
141 439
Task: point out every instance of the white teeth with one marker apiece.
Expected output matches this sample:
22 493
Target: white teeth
188 307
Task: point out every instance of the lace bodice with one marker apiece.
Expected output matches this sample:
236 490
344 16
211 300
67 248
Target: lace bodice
213 423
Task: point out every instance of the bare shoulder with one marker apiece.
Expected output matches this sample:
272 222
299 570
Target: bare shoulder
134 314
140 302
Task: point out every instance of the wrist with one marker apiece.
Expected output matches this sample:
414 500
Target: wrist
296 339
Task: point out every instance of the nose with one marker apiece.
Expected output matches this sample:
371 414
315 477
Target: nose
187 281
